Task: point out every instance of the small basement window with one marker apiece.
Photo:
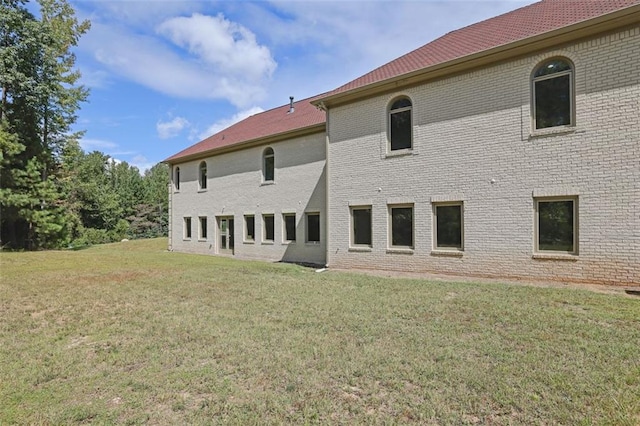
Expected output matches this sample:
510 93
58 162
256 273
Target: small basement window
361 226
401 226
313 227
249 228
449 229
556 225
203 228
268 227
289 220
186 232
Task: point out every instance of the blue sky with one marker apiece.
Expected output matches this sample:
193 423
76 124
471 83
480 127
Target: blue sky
164 75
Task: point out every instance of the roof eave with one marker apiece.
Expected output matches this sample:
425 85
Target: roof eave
601 24
303 131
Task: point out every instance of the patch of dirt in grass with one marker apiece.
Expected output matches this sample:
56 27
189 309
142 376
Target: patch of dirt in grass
607 289
77 341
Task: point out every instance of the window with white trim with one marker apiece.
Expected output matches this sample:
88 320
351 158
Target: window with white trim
401 226
361 226
202 175
203 227
289 221
556 225
400 125
268 165
249 228
268 228
448 220
553 97
313 227
186 230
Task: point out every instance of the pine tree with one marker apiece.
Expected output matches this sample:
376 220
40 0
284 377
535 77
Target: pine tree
40 97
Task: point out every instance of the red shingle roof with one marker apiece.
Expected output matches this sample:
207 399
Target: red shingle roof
263 125
528 21
520 24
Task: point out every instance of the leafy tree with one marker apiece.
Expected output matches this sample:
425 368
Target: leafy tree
39 99
127 183
151 216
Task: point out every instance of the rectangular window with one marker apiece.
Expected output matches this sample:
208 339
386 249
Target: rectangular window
400 130
361 226
187 228
249 228
401 226
289 220
553 102
267 227
269 168
449 229
556 225
203 228
313 227
176 178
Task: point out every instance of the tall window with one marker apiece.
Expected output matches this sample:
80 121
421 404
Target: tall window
202 175
361 226
557 225
176 178
267 227
553 99
203 228
313 227
401 226
449 230
249 228
187 228
400 125
268 165
289 220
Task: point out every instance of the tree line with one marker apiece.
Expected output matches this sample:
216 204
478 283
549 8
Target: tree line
52 193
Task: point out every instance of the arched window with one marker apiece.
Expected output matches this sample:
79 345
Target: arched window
176 178
202 175
268 165
400 125
553 98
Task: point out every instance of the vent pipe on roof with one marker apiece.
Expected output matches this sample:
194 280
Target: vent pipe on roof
291 108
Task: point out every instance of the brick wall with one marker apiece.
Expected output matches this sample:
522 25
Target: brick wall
235 188
473 142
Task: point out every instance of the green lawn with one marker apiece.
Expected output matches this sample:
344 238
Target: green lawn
128 333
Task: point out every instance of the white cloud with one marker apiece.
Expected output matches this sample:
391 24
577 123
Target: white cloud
321 45
170 129
226 122
97 144
94 78
232 67
228 46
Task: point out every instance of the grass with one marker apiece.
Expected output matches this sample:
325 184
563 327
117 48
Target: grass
128 333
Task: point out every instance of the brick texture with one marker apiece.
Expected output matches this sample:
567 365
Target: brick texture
235 188
474 142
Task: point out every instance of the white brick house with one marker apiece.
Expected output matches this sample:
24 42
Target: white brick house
254 190
510 148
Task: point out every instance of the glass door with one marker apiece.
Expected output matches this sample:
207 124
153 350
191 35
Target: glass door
225 242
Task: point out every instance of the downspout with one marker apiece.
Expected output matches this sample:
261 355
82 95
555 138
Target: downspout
326 186
170 210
